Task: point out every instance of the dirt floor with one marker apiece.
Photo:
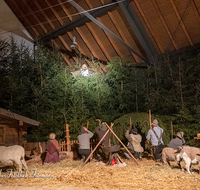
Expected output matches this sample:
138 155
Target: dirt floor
70 175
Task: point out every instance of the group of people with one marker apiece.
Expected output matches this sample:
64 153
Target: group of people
155 136
134 143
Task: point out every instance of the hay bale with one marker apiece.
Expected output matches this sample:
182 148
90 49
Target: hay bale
66 155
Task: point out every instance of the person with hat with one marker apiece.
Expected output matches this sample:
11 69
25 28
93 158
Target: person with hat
178 141
52 148
134 146
155 135
102 153
84 142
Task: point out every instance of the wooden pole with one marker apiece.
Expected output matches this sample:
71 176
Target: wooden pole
150 118
122 143
96 147
171 131
68 138
99 121
150 128
110 137
130 123
87 124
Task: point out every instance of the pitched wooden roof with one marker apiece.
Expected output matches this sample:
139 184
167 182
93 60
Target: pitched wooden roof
8 115
147 27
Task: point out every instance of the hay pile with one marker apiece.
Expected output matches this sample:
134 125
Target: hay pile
148 175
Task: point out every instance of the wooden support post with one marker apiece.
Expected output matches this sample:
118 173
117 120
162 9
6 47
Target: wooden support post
171 131
20 133
96 147
65 145
121 143
150 128
150 118
68 138
110 137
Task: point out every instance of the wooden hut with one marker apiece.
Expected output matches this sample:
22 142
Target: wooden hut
13 127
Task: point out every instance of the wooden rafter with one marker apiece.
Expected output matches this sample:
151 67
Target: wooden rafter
115 20
99 42
139 31
164 24
87 43
54 12
181 22
111 41
69 34
80 9
53 26
24 16
11 115
64 56
36 18
196 11
45 15
159 45
76 23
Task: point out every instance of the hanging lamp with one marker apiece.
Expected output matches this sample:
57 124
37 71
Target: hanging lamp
74 45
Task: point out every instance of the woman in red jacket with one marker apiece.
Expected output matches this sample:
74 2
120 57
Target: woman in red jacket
52 150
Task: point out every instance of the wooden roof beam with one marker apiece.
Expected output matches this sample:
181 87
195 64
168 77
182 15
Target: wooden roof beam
76 23
82 50
67 60
80 9
164 24
138 30
54 12
148 26
181 22
36 18
9 114
45 15
60 37
23 15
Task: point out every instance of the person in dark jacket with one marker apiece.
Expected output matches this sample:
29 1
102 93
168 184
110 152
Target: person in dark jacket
52 148
102 154
178 141
84 142
134 146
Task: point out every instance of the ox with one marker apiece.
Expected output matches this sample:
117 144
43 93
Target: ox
168 154
190 155
12 155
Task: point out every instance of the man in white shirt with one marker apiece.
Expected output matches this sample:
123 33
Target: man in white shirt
155 135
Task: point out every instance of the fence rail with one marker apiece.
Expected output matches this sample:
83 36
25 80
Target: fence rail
62 145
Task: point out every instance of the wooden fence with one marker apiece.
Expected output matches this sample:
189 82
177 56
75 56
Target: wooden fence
62 145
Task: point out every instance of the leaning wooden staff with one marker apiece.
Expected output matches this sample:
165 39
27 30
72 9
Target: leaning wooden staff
110 129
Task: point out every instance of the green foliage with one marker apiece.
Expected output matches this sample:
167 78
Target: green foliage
41 86
140 121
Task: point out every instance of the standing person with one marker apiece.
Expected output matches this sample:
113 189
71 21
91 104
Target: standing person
155 135
178 141
134 146
102 154
52 148
84 142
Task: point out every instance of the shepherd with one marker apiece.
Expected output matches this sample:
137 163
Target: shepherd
52 148
178 141
155 135
134 146
84 142
102 153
